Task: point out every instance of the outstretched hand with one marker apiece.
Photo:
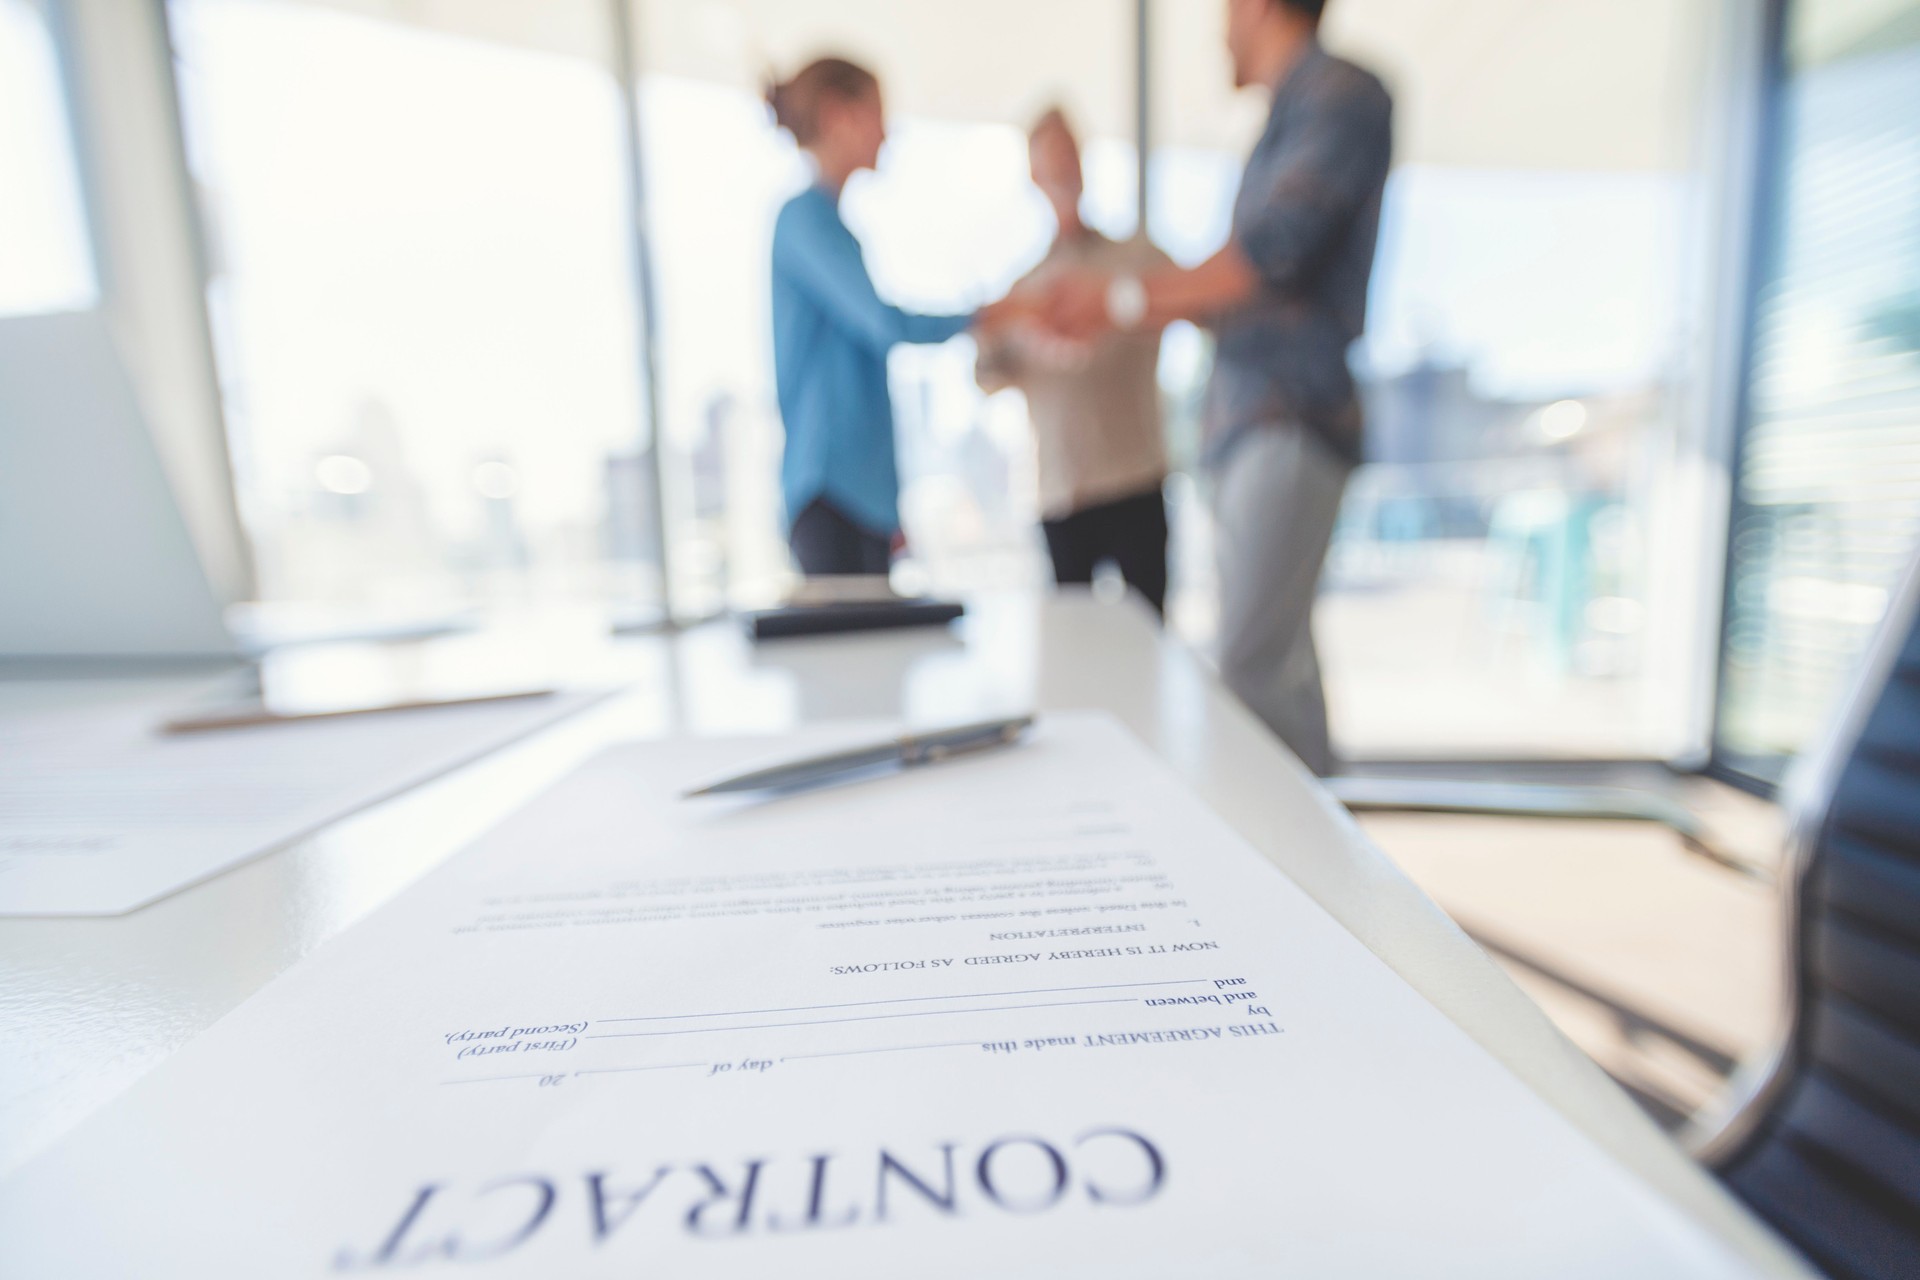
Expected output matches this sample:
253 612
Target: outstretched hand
1069 307
1019 307
1075 305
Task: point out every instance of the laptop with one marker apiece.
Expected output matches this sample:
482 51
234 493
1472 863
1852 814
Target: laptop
95 557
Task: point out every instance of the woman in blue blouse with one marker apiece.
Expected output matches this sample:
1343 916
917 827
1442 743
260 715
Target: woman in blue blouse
832 332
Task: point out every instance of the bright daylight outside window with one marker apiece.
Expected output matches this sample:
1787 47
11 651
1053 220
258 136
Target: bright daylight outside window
1516 567
423 300
45 262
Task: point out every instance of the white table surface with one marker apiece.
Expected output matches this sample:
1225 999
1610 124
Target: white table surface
87 1006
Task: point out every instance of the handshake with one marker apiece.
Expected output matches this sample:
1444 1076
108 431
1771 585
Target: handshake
1072 306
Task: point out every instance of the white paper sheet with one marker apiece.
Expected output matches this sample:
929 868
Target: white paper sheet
100 813
1034 1013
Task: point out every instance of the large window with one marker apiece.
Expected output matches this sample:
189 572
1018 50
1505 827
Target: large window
423 298
429 337
45 260
1519 567
1828 502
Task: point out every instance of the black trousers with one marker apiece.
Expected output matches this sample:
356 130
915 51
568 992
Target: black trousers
1131 532
826 542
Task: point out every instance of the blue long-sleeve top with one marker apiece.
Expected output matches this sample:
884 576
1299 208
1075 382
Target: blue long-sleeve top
831 335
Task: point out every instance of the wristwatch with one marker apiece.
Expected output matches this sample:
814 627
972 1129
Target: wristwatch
1126 302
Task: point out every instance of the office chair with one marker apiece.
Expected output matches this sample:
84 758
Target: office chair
1822 1136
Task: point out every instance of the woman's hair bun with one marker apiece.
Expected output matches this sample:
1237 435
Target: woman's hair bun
775 94
795 103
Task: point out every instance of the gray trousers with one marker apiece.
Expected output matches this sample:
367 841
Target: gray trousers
1276 494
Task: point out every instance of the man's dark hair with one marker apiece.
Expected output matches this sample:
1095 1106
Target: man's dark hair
1310 8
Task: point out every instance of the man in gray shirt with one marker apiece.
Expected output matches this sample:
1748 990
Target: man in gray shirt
1285 298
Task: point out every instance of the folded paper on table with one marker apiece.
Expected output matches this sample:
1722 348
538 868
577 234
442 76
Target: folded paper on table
101 813
1035 1013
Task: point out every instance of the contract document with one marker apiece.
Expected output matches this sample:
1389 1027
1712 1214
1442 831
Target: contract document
1033 1013
101 813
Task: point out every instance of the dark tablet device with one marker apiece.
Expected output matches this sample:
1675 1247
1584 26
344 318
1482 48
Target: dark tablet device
852 615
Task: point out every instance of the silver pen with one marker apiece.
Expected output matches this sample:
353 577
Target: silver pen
929 747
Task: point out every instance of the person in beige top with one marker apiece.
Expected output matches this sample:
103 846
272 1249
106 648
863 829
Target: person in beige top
1095 406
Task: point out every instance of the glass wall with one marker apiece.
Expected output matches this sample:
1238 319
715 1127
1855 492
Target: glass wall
1519 557
1828 502
46 262
424 304
423 298
429 339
